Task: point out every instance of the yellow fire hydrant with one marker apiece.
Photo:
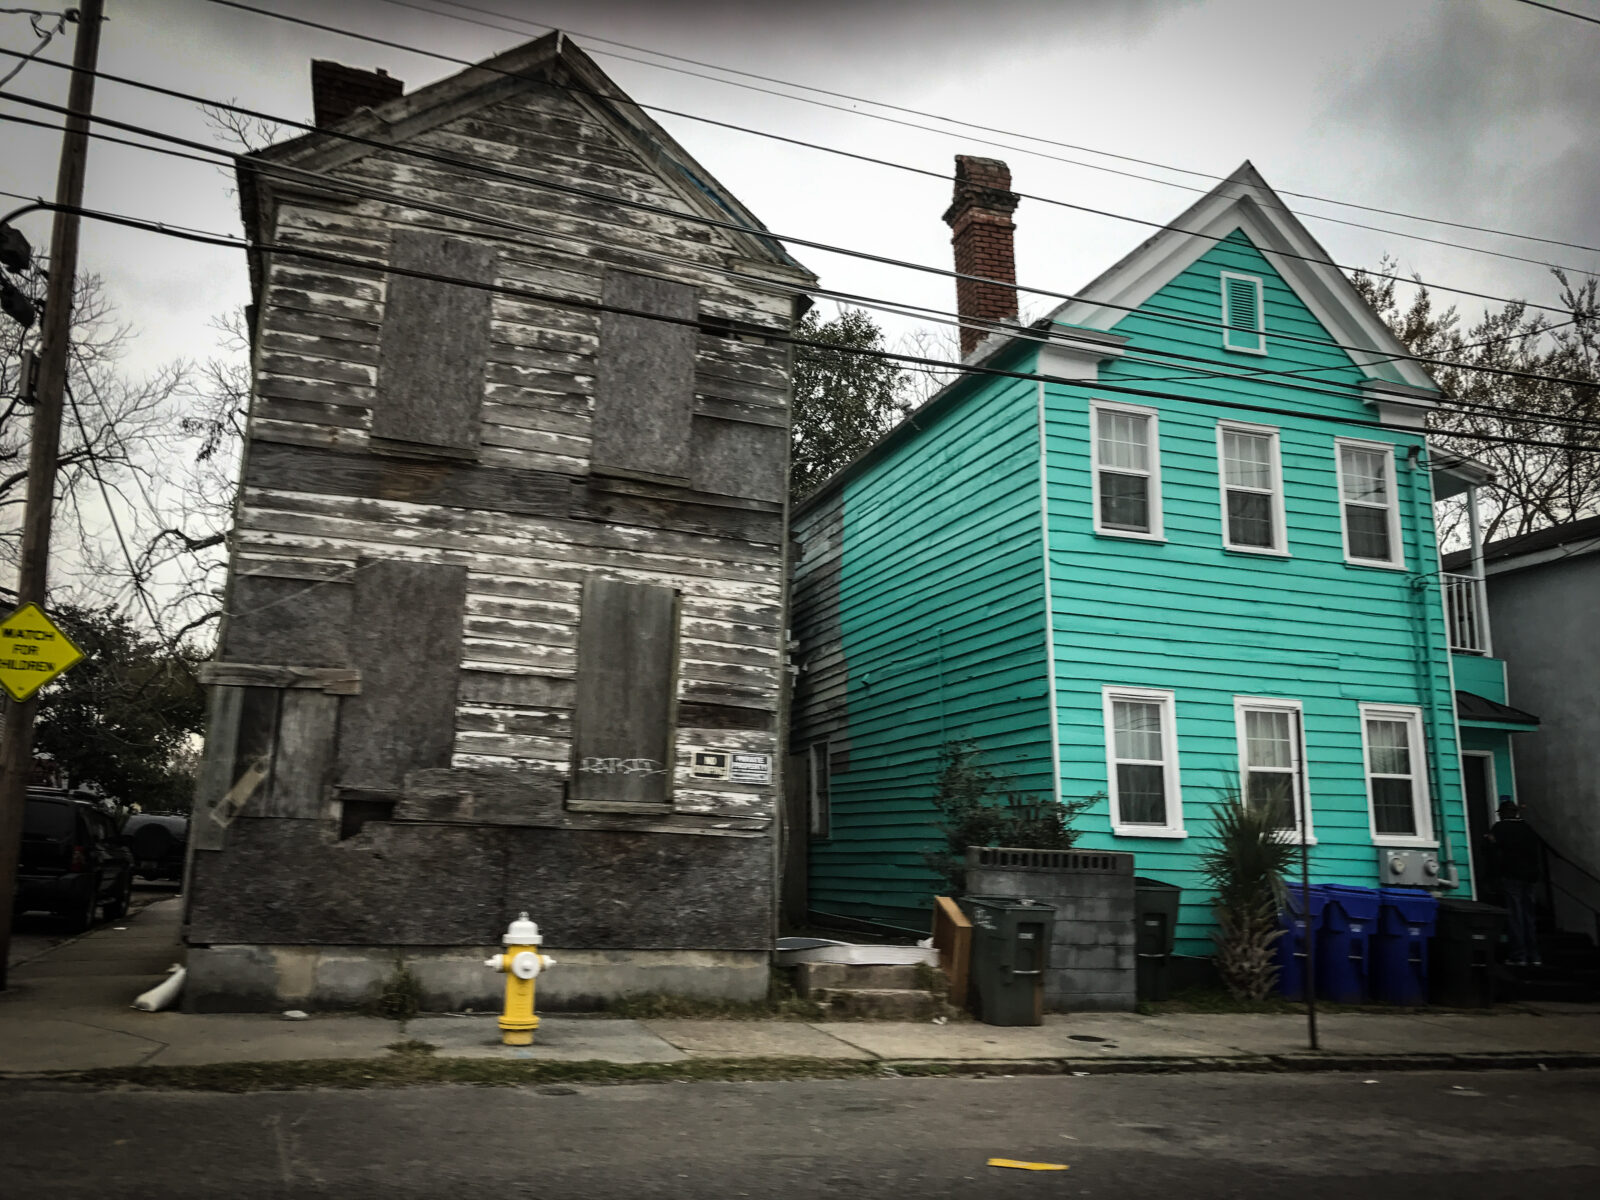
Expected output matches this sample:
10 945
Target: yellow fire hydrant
522 963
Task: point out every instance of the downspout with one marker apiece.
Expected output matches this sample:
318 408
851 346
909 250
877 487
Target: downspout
1421 582
1049 602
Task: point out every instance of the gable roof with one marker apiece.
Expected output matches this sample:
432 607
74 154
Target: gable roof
1245 202
553 58
1242 201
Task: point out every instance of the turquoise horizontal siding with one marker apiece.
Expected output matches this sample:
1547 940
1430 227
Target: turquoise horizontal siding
1208 624
941 600
1481 676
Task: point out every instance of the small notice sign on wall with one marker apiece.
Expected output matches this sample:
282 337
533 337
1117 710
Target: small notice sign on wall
730 765
709 764
750 768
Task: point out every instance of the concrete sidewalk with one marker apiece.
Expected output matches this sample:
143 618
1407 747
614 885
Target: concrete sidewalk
68 1010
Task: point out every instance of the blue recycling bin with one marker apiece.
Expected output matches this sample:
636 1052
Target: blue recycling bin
1406 919
1349 919
1291 947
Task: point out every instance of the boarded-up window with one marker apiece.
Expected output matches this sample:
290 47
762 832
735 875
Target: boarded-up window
627 669
406 641
435 343
644 383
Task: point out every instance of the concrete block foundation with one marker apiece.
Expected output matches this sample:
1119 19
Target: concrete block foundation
255 978
1092 960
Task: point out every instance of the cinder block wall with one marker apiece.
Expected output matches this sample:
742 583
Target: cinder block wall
1092 963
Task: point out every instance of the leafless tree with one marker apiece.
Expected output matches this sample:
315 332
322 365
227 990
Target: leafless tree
113 436
188 552
1539 428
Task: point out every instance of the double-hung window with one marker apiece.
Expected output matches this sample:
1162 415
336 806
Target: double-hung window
1272 759
1369 512
1142 763
1252 488
1397 775
1127 470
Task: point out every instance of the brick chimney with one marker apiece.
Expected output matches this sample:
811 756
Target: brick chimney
981 231
337 91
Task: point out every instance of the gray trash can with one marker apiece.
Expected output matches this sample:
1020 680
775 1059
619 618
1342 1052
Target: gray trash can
1010 951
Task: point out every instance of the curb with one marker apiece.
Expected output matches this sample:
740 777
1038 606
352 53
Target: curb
601 1071
1257 1064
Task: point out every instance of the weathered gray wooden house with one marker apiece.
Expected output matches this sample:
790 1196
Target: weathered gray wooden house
505 614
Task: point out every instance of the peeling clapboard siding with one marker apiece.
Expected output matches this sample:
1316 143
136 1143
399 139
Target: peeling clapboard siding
497 494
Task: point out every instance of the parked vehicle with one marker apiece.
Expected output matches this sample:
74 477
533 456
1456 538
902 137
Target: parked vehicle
73 861
158 842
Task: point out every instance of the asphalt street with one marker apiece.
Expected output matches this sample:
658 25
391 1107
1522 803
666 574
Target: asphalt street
1176 1137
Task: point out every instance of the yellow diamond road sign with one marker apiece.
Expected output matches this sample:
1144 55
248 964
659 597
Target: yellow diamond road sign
33 651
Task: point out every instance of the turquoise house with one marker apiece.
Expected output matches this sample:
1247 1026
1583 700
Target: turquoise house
1176 537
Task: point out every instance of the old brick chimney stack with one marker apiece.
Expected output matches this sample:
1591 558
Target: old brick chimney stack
981 232
337 91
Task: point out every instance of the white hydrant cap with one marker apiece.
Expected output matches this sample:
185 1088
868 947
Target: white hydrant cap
523 932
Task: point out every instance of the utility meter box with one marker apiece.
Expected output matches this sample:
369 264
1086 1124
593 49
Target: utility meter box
1409 868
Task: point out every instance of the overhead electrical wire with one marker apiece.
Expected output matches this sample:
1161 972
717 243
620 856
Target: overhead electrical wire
856 112
596 306
1056 201
1565 12
462 164
918 312
520 237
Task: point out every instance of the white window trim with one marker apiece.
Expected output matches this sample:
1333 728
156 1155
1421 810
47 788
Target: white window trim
1398 563
1228 328
1280 530
1156 532
1169 755
1421 801
1303 777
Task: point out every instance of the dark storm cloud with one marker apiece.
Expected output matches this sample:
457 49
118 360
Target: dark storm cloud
900 37
1500 99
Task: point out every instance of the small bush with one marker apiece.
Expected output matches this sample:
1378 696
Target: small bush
977 808
401 997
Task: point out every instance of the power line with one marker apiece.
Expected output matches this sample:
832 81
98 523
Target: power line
1565 12
1205 367
343 32
973 369
591 37
459 164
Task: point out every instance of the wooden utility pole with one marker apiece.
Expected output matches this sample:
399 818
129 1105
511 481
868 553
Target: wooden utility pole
16 735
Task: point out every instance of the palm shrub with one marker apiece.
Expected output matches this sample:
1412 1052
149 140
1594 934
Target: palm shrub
1244 862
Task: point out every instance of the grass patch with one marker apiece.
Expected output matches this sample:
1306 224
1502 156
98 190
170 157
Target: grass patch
412 1046
413 1069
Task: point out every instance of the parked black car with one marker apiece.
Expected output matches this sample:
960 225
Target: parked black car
73 861
158 842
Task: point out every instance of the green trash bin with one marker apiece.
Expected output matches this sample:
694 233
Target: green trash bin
1010 951
1461 958
1155 930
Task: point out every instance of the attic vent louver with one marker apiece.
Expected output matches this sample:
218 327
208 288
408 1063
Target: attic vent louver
1242 313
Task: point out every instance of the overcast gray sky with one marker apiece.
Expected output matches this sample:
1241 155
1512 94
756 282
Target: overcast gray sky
1478 111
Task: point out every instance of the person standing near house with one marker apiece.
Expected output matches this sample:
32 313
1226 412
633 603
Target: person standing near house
1517 859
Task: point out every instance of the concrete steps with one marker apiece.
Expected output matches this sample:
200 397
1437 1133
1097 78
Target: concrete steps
895 993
